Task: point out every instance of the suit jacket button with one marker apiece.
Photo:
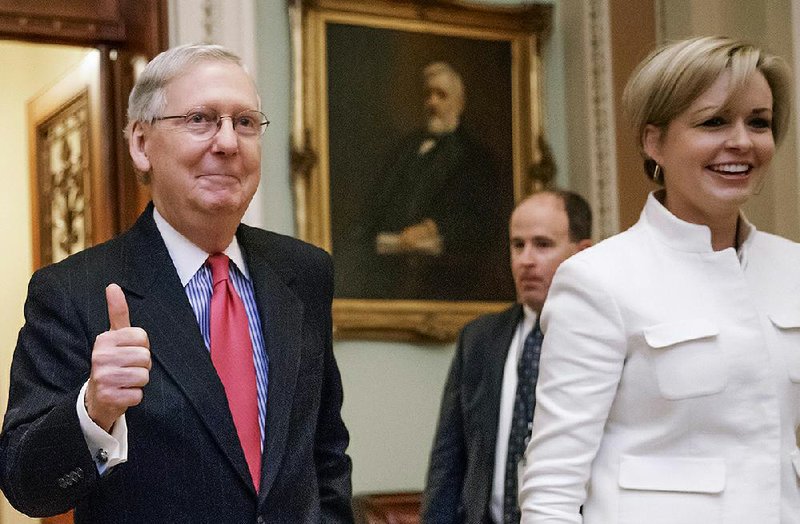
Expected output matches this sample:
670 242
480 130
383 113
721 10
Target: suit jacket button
260 520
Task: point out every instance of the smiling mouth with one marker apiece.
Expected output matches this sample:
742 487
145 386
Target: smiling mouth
219 176
731 170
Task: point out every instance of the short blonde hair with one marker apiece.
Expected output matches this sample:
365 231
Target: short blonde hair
666 83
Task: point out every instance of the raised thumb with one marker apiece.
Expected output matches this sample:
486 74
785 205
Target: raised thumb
118 315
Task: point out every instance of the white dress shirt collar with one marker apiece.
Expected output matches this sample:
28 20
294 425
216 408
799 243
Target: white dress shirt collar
186 256
529 320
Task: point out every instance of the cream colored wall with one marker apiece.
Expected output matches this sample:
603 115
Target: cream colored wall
26 69
392 390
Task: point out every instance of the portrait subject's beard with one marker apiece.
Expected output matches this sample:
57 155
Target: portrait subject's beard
440 125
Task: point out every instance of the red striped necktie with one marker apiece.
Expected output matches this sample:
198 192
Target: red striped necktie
232 355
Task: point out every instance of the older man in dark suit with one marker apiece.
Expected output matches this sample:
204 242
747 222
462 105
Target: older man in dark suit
487 407
182 372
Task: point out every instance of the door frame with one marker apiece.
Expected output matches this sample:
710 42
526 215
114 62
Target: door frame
126 32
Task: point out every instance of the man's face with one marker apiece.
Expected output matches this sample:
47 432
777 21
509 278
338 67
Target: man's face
443 103
206 179
539 234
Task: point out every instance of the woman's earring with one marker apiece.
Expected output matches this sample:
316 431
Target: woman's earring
657 177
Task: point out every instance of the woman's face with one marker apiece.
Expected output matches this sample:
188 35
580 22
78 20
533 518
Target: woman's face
712 158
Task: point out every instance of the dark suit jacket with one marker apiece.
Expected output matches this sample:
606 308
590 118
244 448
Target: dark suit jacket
185 464
462 460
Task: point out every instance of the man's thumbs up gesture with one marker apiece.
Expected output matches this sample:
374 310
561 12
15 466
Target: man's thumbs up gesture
120 364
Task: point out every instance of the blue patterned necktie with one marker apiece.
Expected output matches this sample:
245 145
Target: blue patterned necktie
524 402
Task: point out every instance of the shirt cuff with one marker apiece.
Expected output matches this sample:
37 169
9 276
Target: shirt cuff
107 450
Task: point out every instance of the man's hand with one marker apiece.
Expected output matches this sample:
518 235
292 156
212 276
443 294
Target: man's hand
421 238
120 364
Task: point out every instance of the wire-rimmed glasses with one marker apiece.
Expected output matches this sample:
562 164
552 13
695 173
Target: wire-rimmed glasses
203 123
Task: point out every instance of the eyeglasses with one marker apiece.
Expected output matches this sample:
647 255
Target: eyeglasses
203 123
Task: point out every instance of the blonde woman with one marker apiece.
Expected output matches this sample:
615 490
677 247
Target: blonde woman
670 374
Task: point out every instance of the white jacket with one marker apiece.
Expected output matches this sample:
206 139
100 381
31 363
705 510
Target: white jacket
669 384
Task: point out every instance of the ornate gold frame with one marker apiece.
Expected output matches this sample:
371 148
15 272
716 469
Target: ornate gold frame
522 27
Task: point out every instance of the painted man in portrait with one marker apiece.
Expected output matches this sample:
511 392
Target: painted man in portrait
431 225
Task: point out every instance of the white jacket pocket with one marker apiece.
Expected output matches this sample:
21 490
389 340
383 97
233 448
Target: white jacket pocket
787 324
667 490
684 474
687 359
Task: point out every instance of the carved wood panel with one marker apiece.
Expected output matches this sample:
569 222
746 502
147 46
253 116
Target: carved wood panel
63 181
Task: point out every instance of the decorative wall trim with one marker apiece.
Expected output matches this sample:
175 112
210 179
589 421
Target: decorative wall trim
61 27
71 22
64 181
231 23
226 22
602 130
661 20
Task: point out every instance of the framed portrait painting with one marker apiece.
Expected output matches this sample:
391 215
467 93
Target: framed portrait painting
415 125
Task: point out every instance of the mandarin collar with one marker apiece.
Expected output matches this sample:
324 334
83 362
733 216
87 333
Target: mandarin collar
685 236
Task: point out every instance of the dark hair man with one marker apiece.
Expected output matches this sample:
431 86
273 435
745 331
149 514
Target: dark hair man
487 407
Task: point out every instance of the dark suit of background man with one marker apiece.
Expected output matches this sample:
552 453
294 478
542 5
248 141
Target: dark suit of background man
132 424
467 477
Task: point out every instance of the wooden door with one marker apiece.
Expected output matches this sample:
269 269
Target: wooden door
72 205
124 33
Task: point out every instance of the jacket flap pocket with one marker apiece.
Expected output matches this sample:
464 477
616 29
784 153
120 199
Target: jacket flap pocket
683 474
669 333
786 319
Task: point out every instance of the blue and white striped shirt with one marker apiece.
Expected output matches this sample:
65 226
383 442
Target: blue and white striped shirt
195 276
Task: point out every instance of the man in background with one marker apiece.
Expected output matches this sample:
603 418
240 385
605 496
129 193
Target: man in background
182 372
487 406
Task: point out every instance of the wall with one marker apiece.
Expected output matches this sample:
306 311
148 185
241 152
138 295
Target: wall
392 390
633 36
26 69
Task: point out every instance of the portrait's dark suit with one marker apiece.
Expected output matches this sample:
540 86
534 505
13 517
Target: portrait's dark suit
185 464
461 468
457 185
454 184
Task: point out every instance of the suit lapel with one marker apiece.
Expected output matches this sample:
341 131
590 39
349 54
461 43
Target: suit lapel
495 357
282 324
158 303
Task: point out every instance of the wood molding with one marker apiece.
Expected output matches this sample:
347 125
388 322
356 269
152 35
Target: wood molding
67 21
633 36
124 31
